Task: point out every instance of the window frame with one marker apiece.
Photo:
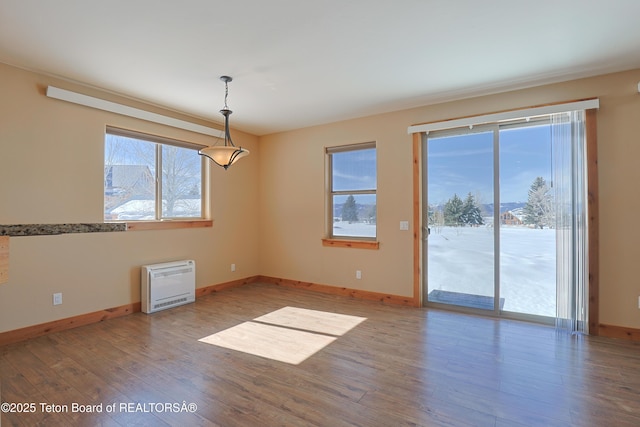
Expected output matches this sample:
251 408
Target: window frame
161 222
331 240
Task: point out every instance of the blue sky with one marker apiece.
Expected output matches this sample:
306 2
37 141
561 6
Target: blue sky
463 164
355 170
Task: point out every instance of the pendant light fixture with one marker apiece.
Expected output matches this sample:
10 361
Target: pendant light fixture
227 154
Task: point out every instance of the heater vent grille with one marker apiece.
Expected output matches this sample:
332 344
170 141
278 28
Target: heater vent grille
167 285
168 303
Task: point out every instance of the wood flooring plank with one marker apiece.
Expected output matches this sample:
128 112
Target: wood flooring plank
402 366
432 412
49 390
114 384
198 371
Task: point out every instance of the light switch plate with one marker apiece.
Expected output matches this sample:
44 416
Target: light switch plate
404 225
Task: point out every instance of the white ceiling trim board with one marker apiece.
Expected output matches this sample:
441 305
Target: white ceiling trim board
506 115
113 107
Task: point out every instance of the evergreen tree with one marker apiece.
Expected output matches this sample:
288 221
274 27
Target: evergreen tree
350 210
539 208
471 213
453 211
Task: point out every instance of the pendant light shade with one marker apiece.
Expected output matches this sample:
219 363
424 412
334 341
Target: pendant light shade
224 155
227 154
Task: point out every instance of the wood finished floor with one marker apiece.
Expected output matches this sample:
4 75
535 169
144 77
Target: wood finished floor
401 367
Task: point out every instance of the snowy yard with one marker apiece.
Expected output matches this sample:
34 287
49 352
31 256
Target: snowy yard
460 259
359 229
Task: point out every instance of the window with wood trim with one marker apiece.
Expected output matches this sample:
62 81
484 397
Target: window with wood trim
352 191
148 177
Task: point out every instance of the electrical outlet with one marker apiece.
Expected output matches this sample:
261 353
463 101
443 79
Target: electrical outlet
358 274
57 298
233 267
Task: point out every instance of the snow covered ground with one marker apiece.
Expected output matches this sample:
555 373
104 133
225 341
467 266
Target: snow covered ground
460 259
143 209
359 229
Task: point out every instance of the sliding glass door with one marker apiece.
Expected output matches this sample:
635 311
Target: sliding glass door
490 214
460 196
527 219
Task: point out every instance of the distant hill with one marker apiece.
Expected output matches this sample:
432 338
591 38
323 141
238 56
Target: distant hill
487 208
504 207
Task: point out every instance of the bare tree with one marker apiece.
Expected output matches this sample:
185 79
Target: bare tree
130 174
178 182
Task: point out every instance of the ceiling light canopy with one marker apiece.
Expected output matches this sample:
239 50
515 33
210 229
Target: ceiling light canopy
227 154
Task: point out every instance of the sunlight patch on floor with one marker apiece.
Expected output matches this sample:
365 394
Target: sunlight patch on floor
289 335
323 322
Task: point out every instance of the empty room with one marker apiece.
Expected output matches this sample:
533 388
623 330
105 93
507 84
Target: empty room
364 213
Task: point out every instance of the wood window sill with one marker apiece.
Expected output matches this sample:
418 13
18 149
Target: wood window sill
168 224
356 244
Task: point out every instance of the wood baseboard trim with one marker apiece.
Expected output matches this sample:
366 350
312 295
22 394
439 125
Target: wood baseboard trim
200 292
68 323
335 290
613 331
29 332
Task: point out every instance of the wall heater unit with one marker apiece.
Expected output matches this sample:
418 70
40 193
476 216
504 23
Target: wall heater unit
167 285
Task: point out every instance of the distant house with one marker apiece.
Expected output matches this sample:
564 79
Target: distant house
509 218
126 182
135 180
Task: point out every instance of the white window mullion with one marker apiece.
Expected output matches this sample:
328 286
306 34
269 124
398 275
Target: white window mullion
158 181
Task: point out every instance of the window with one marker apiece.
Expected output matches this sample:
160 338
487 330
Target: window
352 191
150 178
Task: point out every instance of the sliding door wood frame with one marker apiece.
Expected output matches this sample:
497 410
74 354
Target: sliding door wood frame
593 220
591 125
418 229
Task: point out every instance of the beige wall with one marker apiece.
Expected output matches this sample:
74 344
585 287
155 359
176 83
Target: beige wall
269 209
51 171
292 203
292 193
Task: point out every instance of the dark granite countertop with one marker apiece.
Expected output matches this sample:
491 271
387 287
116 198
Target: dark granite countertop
53 229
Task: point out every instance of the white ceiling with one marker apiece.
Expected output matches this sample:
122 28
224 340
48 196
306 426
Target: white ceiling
298 63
